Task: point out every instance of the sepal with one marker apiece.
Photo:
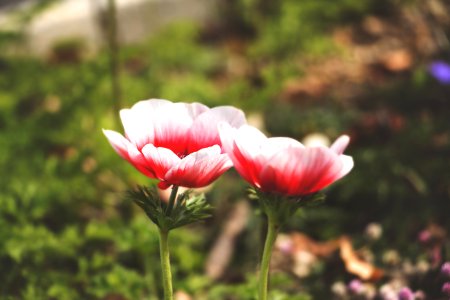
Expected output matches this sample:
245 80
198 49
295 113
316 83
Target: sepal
280 207
187 209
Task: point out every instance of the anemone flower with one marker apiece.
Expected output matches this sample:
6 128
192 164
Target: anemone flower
284 172
283 165
176 143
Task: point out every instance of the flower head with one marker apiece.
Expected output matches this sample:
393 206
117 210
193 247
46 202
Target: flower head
441 71
355 286
406 294
283 165
176 143
446 288
445 269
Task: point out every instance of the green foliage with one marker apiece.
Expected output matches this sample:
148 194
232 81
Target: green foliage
299 25
176 49
187 208
248 290
66 231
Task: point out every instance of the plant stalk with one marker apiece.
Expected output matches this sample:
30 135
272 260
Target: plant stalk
113 45
165 264
272 232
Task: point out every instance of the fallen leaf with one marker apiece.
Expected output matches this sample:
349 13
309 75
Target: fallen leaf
357 266
222 251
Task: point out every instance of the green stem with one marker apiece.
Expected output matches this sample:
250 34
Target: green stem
113 44
272 231
165 264
173 196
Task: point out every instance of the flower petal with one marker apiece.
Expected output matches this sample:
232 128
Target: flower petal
160 122
160 159
281 170
241 145
227 135
138 121
172 124
128 151
347 162
340 144
204 132
139 162
297 171
119 143
200 168
329 172
273 145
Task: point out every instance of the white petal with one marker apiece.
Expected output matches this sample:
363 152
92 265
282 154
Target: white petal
340 144
249 141
347 162
138 121
119 143
276 144
204 132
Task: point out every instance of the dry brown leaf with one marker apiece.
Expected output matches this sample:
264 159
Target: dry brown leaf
221 253
302 242
300 246
357 266
298 253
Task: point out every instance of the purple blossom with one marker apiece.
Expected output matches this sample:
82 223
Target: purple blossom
406 294
355 286
445 269
446 288
440 70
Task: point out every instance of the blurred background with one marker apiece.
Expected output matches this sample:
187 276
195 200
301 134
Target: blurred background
377 70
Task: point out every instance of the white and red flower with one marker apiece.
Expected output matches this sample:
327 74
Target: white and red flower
283 165
176 143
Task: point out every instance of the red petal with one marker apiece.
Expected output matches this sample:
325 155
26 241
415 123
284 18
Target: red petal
172 124
163 185
118 142
128 151
160 159
200 168
296 171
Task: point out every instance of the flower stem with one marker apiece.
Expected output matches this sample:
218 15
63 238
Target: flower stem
272 231
165 264
173 196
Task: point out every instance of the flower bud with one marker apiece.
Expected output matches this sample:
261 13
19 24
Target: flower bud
406 294
446 288
445 269
355 286
374 231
